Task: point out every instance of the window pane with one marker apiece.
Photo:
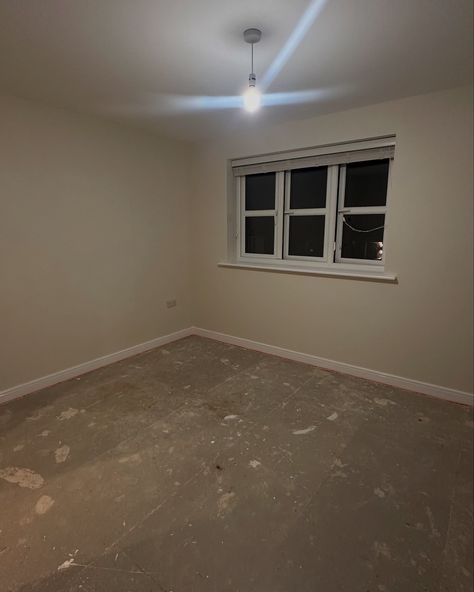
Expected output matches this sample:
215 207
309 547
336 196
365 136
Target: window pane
260 191
363 245
306 236
308 188
366 183
259 235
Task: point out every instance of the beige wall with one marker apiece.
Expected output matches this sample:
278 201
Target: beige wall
96 234
93 239
420 328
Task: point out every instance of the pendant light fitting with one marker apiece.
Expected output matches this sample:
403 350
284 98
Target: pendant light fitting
252 96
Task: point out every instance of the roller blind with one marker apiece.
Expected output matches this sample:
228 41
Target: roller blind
288 164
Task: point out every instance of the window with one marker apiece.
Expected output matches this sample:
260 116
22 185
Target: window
312 208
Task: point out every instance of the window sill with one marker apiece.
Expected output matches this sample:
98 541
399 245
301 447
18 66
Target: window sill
374 276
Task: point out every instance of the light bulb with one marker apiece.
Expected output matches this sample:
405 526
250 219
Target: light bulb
252 99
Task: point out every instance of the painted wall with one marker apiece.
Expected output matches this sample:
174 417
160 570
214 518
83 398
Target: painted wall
420 328
93 239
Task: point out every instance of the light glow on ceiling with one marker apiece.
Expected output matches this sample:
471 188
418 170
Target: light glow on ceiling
302 27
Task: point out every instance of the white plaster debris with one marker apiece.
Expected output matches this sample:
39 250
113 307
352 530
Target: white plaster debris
61 453
22 477
379 492
67 564
383 402
230 417
333 417
18 447
224 502
68 413
305 431
254 464
382 549
44 433
44 504
434 531
131 458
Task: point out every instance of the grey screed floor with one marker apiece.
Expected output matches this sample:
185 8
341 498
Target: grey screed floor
200 466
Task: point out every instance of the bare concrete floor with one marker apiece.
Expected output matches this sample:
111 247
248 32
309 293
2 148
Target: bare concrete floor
204 467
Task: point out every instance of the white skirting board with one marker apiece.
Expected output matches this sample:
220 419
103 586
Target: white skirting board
45 381
425 388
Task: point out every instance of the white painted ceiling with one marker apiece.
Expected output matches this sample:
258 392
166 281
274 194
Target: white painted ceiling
131 59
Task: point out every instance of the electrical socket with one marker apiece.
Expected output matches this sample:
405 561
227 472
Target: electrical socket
170 303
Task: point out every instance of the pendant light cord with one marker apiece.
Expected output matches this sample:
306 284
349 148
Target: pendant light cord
360 229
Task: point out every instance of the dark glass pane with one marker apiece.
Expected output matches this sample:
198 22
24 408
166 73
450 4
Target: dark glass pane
260 235
363 245
366 183
306 236
308 188
260 191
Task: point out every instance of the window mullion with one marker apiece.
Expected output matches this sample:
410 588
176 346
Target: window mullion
286 221
241 239
340 205
280 208
331 206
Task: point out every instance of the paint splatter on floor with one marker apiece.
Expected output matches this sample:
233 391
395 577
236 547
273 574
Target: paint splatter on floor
61 453
22 477
304 431
44 504
68 414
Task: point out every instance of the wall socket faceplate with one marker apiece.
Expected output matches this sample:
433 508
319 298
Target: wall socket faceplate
170 303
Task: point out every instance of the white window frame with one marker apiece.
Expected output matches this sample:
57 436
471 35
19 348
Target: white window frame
331 259
342 211
289 212
275 213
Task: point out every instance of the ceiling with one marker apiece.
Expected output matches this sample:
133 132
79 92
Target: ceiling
143 61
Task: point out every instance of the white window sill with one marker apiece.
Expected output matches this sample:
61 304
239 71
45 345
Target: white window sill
377 276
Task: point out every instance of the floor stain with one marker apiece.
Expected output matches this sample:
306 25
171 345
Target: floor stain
44 504
224 503
131 458
61 454
22 477
68 414
305 431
